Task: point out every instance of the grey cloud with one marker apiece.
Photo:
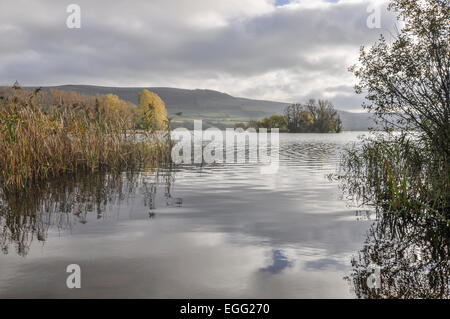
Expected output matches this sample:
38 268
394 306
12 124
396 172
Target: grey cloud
156 44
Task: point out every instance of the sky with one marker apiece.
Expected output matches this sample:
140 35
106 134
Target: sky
280 50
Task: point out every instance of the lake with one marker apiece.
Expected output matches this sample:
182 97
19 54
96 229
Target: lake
212 231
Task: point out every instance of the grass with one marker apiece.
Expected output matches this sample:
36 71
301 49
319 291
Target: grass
36 145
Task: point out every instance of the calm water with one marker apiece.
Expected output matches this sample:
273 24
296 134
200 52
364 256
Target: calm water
196 232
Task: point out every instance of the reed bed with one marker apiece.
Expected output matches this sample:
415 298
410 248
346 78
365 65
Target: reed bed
37 143
398 174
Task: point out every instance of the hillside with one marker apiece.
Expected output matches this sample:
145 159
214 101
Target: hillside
215 108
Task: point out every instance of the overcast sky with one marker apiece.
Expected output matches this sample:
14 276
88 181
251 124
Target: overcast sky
267 49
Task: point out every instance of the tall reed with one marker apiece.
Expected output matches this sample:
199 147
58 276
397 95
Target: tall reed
399 174
37 143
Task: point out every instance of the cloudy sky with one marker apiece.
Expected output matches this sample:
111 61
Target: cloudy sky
267 49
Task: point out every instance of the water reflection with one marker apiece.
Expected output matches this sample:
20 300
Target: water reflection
410 251
280 262
62 203
219 231
413 258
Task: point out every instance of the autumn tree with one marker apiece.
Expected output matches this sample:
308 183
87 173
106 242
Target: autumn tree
274 121
107 108
313 116
325 117
152 111
112 107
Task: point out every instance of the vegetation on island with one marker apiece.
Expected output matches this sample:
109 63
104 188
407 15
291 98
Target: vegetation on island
50 133
274 121
313 117
310 117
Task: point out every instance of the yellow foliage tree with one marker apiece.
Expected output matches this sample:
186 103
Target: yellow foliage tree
152 111
115 108
306 121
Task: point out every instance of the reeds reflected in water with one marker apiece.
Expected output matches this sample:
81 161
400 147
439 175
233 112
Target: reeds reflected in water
412 256
28 215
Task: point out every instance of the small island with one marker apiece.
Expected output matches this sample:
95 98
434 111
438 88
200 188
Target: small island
314 116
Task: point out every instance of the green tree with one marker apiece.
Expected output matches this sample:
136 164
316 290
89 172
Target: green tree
274 121
407 80
241 125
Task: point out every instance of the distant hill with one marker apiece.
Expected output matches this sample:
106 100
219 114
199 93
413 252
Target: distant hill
215 108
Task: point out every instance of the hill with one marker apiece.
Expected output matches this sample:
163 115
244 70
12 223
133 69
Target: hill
215 108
